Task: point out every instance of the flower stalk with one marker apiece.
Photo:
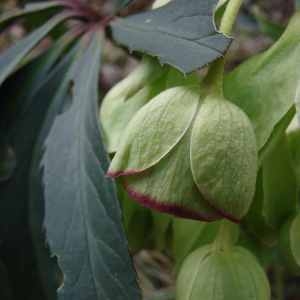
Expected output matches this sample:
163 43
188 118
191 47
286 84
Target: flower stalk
214 78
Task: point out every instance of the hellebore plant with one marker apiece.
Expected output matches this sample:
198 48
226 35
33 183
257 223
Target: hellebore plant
213 154
189 151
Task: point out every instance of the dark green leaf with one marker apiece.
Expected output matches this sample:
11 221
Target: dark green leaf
181 33
21 126
21 119
53 91
10 58
82 216
29 10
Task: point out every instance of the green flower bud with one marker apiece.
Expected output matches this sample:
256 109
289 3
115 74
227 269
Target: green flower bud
209 274
192 159
127 97
289 243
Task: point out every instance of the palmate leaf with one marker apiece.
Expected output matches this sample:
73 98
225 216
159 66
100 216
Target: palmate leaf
181 33
54 91
28 11
82 216
11 57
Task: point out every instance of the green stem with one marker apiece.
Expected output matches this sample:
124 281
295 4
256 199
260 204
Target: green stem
214 79
226 237
230 15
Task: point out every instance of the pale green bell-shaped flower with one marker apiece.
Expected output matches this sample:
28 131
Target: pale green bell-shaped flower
233 274
188 157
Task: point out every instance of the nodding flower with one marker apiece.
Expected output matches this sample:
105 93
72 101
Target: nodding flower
189 157
229 275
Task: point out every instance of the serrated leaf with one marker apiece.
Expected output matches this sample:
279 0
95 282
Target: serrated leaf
181 33
22 128
19 129
11 57
82 217
29 10
266 84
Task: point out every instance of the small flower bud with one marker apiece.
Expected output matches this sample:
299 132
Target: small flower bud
209 274
127 97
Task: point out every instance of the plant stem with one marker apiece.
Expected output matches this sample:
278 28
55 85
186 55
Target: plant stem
226 237
230 15
214 78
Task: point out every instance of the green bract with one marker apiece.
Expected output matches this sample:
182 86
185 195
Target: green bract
224 156
127 97
209 274
190 158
